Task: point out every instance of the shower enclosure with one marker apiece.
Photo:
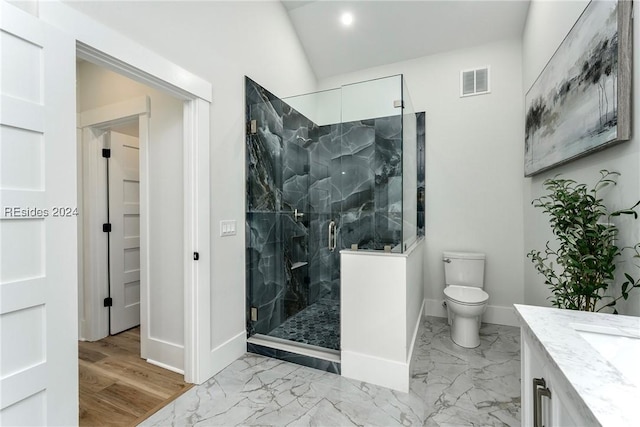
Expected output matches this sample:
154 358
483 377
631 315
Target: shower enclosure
325 171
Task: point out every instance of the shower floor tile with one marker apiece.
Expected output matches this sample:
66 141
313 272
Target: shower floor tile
318 324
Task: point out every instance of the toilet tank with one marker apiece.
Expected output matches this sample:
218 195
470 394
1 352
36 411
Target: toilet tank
463 269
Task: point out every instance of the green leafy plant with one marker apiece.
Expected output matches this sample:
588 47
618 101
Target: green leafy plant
586 259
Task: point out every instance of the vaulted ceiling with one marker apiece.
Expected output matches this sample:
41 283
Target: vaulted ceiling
385 31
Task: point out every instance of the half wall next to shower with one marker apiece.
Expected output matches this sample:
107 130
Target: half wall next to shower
324 173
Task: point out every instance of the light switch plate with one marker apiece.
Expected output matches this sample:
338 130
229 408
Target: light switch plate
228 228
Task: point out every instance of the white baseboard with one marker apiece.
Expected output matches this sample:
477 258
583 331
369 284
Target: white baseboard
415 335
226 353
165 366
165 354
374 370
495 314
383 372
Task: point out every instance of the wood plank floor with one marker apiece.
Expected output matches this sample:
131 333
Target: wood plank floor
117 387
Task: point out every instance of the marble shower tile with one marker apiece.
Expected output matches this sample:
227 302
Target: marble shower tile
295 172
265 269
264 149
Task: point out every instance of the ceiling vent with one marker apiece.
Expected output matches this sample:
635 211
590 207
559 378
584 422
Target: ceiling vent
474 82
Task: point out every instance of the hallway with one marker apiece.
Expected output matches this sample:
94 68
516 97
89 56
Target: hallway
117 387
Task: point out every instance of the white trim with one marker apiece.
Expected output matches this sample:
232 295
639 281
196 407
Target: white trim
104 46
94 242
415 335
172 354
197 299
227 352
165 366
94 122
145 260
108 48
375 370
500 316
114 113
496 314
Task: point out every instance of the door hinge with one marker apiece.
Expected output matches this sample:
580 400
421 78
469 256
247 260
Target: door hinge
106 153
108 302
253 127
254 314
398 103
196 256
106 228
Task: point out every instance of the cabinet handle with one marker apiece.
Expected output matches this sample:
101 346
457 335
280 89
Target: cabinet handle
539 390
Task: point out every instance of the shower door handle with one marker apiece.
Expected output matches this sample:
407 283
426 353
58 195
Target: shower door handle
332 236
335 236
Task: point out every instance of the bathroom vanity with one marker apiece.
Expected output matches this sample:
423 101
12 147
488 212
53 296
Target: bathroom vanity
578 368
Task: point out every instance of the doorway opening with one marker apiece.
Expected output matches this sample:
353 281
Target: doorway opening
110 175
131 245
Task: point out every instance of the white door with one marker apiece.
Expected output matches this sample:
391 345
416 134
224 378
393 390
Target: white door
38 226
124 239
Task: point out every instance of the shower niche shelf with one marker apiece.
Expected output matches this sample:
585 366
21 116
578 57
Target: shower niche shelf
298 264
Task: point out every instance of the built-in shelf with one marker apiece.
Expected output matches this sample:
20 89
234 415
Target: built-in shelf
298 265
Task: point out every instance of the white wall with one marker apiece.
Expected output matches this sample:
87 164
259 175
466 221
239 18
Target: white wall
322 108
99 87
547 25
474 156
221 42
371 99
381 303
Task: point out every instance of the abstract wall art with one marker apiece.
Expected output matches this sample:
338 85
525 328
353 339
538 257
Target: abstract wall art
581 102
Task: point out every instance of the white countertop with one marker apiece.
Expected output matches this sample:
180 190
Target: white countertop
607 397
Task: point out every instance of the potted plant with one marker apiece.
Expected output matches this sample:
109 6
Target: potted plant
580 271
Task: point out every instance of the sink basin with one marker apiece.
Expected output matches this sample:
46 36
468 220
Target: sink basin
618 346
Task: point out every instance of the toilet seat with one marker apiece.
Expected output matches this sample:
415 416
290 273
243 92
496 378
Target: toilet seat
466 295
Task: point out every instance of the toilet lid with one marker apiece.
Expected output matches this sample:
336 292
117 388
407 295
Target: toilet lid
466 294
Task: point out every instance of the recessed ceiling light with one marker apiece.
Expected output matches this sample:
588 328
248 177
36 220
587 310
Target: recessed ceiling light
346 19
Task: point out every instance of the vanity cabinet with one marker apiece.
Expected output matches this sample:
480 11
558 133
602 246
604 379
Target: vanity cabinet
544 400
581 386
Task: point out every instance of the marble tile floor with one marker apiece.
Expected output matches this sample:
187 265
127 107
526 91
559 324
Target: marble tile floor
450 386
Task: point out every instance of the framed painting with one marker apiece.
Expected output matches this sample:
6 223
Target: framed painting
581 102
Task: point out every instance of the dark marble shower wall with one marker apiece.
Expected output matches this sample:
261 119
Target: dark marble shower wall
350 173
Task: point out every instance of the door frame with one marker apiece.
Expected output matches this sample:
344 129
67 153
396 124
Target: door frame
94 284
102 46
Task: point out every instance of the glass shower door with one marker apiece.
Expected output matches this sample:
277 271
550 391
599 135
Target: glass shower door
291 280
311 297
294 221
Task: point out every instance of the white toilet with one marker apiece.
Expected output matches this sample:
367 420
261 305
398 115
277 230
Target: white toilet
466 301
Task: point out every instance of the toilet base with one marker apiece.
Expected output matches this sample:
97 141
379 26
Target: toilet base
465 331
